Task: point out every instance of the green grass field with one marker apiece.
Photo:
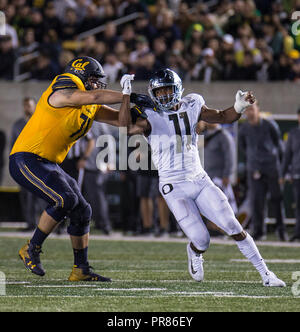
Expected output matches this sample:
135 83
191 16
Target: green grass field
147 277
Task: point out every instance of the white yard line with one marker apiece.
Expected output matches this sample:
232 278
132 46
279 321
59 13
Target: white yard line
60 286
281 261
166 294
130 289
189 281
97 289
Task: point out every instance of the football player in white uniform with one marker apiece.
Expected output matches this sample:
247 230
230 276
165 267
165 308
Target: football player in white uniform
170 129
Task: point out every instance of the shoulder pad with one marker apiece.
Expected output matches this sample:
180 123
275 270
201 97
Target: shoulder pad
63 82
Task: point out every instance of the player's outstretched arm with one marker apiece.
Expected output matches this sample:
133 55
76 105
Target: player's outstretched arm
108 115
141 126
230 115
76 97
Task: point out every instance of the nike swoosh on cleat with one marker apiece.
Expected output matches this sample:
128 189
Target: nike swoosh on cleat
192 269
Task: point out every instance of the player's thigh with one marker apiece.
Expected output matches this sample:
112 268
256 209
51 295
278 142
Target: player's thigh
38 177
186 214
214 205
73 184
176 197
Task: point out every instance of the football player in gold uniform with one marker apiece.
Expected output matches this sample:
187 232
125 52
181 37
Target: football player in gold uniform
64 113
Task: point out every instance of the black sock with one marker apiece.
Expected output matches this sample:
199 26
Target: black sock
80 256
38 238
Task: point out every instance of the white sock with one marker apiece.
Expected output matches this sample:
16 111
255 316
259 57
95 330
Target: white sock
249 250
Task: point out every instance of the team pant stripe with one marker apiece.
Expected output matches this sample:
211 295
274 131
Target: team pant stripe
59 197
41 186
36 185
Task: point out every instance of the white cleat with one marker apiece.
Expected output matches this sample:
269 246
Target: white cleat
270 280
195 264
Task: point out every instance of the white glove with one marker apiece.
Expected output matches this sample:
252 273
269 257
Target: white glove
241 104
126 83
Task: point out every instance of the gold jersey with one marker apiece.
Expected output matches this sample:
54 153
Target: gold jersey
51 131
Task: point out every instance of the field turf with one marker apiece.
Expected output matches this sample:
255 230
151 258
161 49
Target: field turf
147 277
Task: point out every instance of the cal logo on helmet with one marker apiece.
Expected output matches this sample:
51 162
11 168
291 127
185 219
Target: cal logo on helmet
79 65
85 67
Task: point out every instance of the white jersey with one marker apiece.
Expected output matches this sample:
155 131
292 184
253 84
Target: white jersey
174 141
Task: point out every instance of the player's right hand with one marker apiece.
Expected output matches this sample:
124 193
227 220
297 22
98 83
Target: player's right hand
126 83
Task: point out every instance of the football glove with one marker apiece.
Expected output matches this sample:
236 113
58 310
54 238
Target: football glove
241 103
142 101
126 83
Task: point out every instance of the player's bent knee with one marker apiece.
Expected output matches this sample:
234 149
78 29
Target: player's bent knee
81 213
60 209
80 220
233 227
202 244
87 214
70 201
239 237
76 229
196 232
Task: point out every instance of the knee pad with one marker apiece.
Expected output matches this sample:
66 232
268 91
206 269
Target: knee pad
198 236
81 213
80 220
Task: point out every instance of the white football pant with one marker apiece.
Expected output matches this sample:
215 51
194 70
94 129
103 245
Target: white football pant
187 200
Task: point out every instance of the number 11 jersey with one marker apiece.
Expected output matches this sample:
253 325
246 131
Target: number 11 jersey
174 141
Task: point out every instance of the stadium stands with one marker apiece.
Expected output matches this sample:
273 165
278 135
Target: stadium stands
201 40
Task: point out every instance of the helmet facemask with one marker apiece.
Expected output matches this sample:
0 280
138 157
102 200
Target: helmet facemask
95 83
166 101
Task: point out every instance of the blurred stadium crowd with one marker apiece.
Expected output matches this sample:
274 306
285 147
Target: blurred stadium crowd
200 40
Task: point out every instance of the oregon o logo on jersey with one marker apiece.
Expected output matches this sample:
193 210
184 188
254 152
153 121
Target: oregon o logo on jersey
167 188
78 65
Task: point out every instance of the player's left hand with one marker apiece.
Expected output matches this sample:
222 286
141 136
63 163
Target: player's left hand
126 83
243 100
142 100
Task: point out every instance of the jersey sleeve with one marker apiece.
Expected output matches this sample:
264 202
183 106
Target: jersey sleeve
196 101
63 82
201 103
